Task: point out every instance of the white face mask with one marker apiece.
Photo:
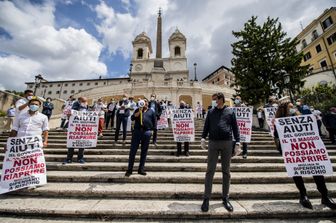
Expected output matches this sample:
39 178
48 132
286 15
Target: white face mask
29 97
152 98
213 103
124 99
83 104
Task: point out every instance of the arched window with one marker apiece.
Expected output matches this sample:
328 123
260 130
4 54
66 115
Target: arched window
177 51
140 53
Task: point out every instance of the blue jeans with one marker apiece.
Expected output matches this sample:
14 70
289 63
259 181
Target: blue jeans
143 137
121 119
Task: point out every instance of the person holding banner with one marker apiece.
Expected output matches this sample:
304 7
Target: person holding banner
31 123
220 124
123 111
238 103
179 144
144 124
287 109
100 107
80 105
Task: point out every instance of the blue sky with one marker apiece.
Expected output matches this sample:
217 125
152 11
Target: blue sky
83 39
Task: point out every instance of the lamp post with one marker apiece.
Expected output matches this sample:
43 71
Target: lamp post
195 65
286 82
130 69
38 79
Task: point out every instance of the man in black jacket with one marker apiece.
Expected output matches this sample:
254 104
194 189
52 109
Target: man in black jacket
155 106
123 111
144 123
220 123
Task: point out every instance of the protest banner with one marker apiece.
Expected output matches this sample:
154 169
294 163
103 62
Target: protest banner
270 115
303 150
83 129
183 125
163 121
24 164
244 117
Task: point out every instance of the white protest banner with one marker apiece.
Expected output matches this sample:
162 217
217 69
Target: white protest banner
24 164
183 125
83 129
162 123
303 150
244 117
270 115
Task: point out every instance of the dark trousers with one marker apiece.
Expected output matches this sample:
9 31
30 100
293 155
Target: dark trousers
319 181
109 116
319 124
63 122
332 133
71 153
143 137
261 123
179 147
121 119
155 132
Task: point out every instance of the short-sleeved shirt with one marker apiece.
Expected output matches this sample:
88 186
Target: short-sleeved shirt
20 102
29 125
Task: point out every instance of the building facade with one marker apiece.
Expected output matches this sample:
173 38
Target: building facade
317 41
168 78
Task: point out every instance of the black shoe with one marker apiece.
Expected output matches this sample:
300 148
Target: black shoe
328 202
142 172
227 204
244 156
128 173
304 201
205 205
187 154
67 161
81 161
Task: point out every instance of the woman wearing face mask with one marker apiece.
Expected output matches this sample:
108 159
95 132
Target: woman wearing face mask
179 144
287 109
47 108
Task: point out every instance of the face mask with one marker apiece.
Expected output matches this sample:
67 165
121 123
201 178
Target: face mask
298 103
214 103
275 105
237 101
152 98
83 104
29 97
292 111
34 108
124 99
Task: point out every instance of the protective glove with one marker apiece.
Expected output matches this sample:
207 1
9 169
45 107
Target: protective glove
203 144
237 150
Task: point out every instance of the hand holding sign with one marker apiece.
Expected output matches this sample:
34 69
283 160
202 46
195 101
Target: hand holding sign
237 150
203 144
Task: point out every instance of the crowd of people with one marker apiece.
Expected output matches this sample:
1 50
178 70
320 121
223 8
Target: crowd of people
220 128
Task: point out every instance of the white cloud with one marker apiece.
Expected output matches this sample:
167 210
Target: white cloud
37 47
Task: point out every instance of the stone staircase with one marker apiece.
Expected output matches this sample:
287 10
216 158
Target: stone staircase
171 191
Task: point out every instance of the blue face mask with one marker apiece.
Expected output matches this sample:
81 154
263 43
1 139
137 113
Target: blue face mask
237 101
34 108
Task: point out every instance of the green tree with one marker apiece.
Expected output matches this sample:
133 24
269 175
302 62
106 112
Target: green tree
262 57
321 96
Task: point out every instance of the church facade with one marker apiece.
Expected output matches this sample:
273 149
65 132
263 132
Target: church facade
168 78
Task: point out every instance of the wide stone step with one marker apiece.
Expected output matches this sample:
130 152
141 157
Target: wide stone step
173 177
159 209
172 159
167 152
167 167
147 191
